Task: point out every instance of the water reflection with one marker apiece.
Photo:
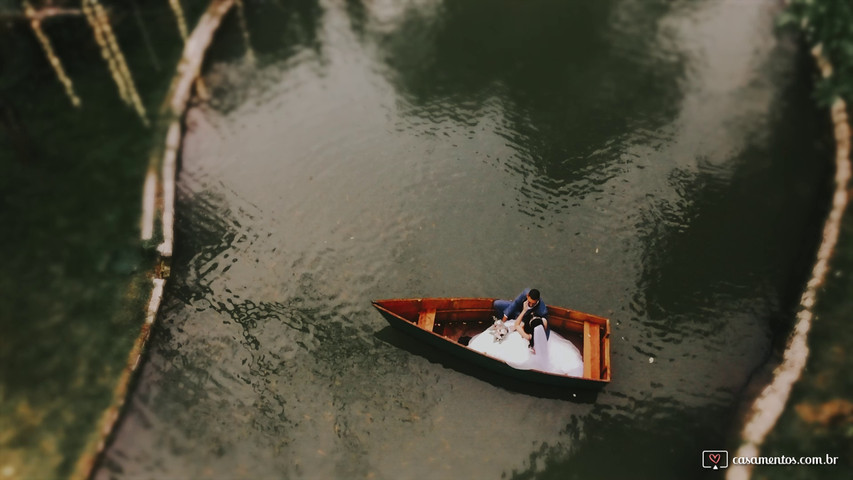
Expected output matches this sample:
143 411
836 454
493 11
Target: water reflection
281 32
733 201
569 78
642 439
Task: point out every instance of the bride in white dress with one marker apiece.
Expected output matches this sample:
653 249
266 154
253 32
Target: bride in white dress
554 354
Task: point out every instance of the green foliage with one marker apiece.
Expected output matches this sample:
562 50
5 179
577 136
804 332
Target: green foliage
828 23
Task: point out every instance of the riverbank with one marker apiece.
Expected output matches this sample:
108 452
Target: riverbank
158 212
82 274
818 418
827 27
807 405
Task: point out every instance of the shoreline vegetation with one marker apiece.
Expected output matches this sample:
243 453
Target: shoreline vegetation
827 28
84 257
159 204
806 408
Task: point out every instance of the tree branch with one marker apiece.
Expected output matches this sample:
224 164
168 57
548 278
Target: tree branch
40 14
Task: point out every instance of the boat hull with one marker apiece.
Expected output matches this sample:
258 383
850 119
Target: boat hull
442 322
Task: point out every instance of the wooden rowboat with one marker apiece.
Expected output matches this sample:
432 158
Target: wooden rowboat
442 322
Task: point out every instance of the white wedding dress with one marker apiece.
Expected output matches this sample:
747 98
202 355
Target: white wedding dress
553 355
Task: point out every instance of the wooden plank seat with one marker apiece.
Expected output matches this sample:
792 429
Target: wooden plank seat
591 350
426 319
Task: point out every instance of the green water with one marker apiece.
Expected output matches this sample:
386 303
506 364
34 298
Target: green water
659 163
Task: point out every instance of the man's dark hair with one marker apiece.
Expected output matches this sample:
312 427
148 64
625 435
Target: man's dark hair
534 294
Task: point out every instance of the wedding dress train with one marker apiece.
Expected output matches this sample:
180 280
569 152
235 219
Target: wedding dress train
554 354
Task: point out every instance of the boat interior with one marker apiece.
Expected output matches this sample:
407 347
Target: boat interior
455 319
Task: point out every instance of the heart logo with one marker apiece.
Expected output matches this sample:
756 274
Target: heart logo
714 457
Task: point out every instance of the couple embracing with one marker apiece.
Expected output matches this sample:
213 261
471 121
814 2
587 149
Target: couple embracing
528 310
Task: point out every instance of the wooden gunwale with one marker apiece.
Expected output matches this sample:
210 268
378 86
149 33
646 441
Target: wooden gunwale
455 317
